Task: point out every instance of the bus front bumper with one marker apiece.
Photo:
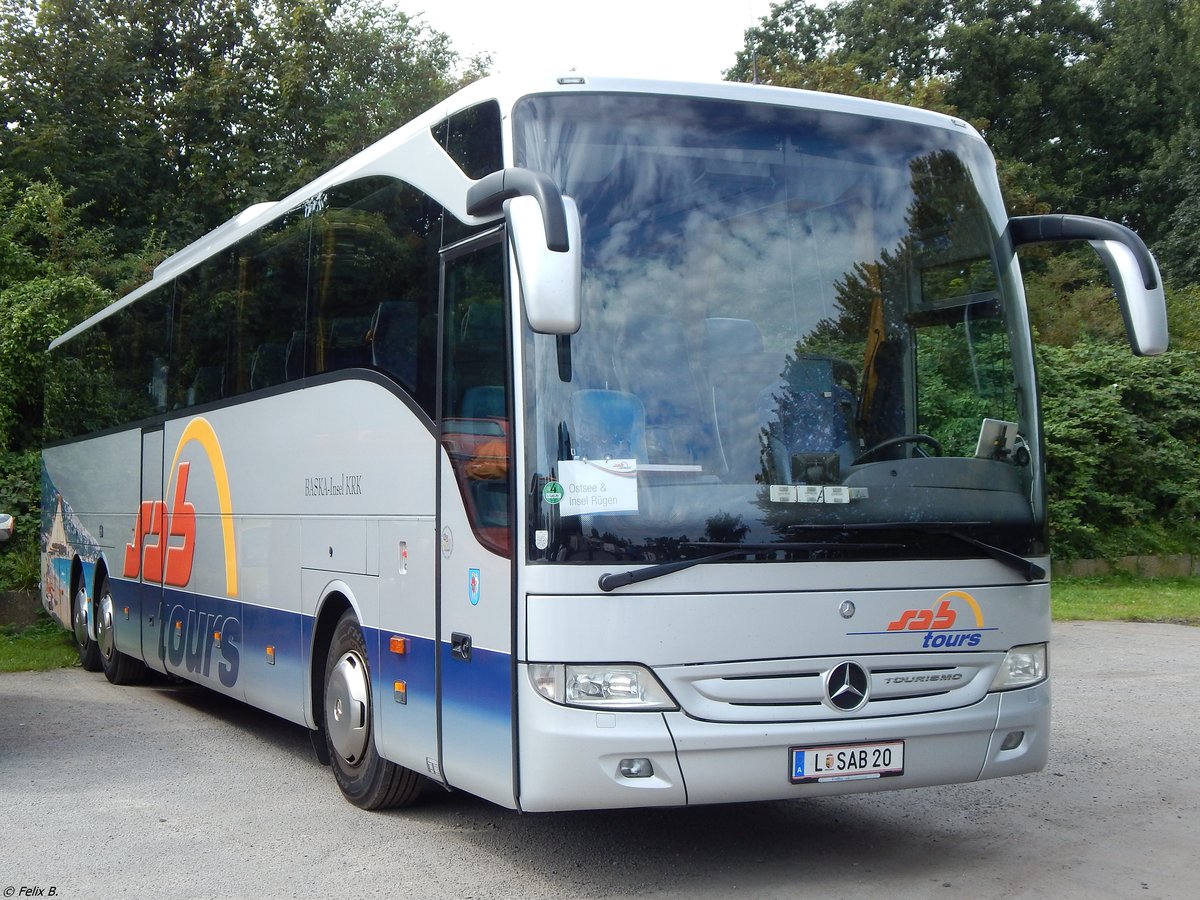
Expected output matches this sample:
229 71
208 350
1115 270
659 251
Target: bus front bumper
583 759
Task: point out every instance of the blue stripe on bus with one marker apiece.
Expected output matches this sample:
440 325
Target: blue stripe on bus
477 723
223 643
408 729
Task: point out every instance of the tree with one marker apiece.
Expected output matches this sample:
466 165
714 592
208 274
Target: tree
1173 179
126 127
49 265
175 116
1090 108
1088 96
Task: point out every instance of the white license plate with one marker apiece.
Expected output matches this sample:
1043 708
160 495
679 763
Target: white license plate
846 762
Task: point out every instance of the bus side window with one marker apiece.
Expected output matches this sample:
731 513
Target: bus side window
205 309
393 338
128 364
374 284
471 137
272 291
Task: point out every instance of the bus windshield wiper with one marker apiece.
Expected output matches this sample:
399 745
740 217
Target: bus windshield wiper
610 581
1031 571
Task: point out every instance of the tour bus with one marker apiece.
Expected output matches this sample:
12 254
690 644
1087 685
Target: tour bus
590 443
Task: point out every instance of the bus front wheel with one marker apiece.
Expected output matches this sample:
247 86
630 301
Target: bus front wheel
365 778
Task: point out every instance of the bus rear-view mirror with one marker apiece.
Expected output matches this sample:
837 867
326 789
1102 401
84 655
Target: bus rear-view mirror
1131 266
550 278
1144 308
543 227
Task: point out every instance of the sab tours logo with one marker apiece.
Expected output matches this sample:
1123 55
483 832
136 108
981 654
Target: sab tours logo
163 551
953 622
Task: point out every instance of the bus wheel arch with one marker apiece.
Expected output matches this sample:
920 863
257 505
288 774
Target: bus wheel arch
81 616
332 607
345 705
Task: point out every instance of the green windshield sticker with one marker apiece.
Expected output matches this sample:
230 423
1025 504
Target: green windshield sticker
552 493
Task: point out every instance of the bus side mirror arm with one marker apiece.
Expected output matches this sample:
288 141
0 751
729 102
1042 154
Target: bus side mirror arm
543 227
1130 264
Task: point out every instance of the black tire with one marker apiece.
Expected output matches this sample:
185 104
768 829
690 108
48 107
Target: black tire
89 650
365 778
119 668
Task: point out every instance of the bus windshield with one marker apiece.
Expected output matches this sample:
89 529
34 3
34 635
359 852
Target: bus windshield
801 337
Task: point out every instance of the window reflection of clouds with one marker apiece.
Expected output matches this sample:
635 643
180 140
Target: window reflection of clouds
792 223
769 264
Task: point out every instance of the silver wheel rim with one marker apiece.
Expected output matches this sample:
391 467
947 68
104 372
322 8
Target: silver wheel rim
104 627
81 625
348 708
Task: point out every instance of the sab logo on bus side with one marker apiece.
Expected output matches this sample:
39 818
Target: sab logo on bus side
148 554
189 635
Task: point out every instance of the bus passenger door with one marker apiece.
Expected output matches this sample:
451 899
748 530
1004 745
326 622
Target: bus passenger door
475 595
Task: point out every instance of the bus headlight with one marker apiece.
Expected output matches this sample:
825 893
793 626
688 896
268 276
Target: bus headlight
1023 666
600 687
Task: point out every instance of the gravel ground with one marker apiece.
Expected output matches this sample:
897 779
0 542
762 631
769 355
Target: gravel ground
173 791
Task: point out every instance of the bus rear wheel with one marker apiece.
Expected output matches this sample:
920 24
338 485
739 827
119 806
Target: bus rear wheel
365 778
89 650
119 668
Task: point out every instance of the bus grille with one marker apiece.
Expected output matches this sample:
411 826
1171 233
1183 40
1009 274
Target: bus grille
795 690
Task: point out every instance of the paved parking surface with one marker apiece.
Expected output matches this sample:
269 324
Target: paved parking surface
169 791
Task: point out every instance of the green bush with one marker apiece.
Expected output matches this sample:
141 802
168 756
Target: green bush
1121 436
20 487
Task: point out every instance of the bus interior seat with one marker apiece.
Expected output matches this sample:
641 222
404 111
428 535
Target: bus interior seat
159 383
293 364
207 385
347 345
744 395
478 358
393 340
483 401
816 416
268 366
482 321
654 363
486 478
607 425
490 499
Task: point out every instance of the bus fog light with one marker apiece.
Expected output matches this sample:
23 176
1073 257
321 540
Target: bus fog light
1022 667
636 768
1012 740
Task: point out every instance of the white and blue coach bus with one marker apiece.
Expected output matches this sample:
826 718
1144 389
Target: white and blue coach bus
590 443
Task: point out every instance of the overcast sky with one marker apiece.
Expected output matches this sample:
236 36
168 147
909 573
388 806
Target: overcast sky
693 40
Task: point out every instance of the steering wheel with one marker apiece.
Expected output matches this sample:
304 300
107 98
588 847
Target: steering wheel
867 455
